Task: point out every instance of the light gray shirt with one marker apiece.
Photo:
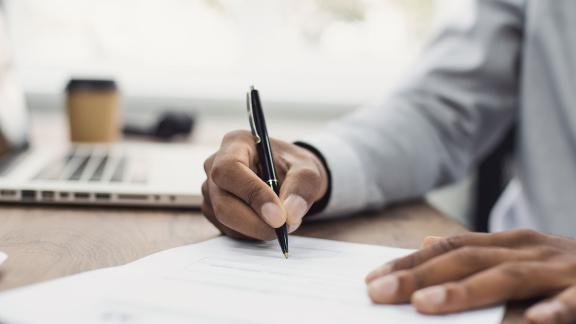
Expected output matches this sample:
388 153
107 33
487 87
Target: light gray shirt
504 61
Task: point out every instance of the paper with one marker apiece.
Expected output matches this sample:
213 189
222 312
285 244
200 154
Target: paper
226 281
3 257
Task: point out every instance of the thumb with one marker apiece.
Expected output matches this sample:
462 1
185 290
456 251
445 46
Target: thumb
300 189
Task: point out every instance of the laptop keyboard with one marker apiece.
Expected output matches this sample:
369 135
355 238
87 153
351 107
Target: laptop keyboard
94 165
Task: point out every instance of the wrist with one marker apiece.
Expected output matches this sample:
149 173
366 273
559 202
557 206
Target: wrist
321 203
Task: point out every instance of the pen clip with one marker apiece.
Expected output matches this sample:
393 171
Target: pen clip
251 116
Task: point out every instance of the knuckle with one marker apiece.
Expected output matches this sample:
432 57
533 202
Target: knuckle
220 169
235 135
254 193
462 291
526 236
215 172
513 270
449 244
309 175
208 163
411 280
515 276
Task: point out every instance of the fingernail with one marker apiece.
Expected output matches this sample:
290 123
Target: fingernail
383 289
546 312
293 227
383 270
295 207
273 214
432 296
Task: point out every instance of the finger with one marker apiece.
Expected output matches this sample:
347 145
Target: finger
208 163
510 281
231 173
294 226
445 245
398 287
561 309
300 189
208 212
428 241
440 247
235 214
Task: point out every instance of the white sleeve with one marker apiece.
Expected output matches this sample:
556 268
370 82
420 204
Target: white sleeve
453 108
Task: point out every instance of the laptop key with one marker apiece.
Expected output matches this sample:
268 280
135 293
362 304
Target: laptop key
77 174
99 171
137 170
53 171
120 170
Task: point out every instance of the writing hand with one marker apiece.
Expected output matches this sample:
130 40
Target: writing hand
241 205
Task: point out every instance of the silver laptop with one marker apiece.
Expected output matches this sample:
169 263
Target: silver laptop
119 174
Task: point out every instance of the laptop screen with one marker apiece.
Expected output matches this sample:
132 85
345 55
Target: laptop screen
13 111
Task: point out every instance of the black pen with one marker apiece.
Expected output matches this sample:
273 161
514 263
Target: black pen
258 126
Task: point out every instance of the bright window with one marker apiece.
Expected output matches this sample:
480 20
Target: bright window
327 51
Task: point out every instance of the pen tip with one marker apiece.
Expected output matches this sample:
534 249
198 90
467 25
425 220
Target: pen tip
252 87
286 255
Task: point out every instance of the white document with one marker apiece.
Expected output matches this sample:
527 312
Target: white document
3 257
226 281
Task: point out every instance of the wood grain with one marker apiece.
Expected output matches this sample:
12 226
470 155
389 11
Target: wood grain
45 243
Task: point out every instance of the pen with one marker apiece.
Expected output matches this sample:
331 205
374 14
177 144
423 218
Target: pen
258 126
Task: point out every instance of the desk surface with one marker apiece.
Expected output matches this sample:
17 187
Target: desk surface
50 242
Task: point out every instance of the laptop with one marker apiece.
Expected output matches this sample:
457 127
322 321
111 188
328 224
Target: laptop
164 175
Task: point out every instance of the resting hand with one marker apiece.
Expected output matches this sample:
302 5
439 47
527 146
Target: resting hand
241 205
475 270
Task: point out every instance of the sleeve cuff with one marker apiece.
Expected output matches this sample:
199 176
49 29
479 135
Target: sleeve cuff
321 204
347 190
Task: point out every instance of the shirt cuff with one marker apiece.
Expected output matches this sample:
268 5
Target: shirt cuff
347 181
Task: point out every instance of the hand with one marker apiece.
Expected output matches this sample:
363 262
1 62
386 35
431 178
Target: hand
241 205
474 270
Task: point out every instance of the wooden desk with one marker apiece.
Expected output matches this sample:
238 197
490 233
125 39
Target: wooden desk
50 242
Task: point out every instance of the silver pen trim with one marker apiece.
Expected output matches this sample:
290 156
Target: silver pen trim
251 115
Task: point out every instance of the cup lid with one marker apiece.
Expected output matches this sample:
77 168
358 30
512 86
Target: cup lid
91 85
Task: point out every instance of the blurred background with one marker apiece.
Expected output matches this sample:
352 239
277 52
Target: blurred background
319 54
313 60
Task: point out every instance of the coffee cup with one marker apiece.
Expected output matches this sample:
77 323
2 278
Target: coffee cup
93 108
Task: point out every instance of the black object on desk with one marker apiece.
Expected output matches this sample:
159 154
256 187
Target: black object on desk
164 127
258 126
